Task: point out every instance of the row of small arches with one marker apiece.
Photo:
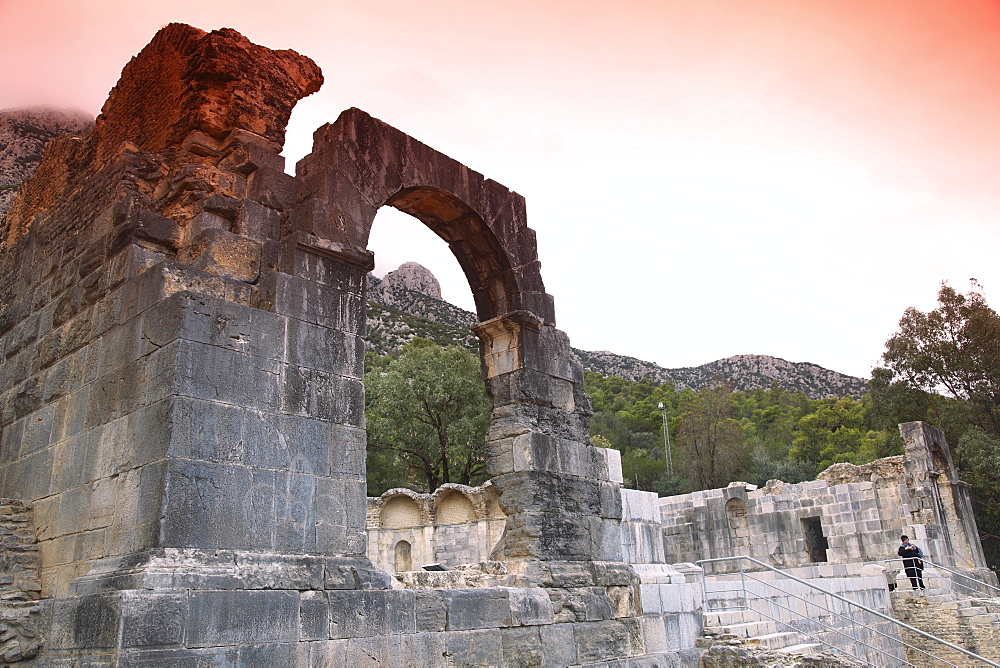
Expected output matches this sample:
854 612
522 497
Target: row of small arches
401 509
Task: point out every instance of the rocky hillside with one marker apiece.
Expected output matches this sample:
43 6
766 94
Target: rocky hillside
743 372
23 135
406 303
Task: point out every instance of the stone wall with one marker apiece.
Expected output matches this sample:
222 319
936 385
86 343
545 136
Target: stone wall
181 397
455 525
943 622
20 586
850 514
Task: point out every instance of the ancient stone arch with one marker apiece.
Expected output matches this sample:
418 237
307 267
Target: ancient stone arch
182 402
538 441
359 164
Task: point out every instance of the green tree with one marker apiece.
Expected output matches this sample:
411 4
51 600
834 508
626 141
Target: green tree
836 431
954 348
710 442
427 414
981 460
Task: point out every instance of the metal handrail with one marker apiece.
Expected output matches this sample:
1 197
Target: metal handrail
853 636
928 562
849 602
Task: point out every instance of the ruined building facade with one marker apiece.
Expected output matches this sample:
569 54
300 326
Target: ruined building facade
181 397
848 515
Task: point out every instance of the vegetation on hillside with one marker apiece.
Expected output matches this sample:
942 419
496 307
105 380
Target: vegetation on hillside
942 367
718 435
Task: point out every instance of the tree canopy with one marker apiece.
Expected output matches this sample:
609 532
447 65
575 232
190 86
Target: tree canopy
943 367
427 414
954 348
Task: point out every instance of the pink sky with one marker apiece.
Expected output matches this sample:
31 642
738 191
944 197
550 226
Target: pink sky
706 177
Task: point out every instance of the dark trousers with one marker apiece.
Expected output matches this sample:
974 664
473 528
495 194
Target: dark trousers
915 573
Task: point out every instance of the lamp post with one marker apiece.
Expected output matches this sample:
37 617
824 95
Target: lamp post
666 441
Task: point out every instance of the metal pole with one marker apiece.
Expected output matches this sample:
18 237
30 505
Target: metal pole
666 441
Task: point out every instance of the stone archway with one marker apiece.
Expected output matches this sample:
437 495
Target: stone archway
555 487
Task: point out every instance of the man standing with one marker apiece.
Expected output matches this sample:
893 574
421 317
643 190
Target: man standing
913 562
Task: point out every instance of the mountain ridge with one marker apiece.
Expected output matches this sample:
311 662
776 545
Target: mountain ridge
23 136
399 310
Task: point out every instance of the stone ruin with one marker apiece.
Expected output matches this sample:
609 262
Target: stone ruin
848 515
182 442
182 407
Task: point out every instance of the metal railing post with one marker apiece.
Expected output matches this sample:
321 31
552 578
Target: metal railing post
743 584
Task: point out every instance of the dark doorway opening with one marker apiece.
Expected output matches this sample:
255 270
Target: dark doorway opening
816 543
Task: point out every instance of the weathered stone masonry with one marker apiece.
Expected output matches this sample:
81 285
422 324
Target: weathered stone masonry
181 395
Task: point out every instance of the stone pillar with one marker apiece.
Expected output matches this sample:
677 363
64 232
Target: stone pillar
182 397
555 487
939 502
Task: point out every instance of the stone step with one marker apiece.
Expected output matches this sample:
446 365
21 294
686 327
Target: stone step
988 619
728 617
806 648
745 629
775 640
972 611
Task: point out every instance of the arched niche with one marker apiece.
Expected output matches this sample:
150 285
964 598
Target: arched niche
400 512
739 526
402 558
453 508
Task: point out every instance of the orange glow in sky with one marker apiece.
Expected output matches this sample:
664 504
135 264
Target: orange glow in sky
706 177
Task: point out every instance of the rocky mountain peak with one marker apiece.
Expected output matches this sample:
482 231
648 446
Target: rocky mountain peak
23 135
414 277
407 303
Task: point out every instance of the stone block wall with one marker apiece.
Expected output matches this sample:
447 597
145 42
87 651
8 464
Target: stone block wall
850 514
455 525
642 528
943 622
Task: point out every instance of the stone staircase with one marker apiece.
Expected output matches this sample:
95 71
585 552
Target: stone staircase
978 610
747 628
969 621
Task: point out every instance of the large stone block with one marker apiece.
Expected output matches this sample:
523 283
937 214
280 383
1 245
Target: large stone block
431 612
599 640
241 617
152 619
477 608
530 607
474 648
219 506
358 614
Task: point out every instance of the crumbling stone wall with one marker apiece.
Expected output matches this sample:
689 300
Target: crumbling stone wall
436 528
19 583
943 622
861 511
181 399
